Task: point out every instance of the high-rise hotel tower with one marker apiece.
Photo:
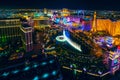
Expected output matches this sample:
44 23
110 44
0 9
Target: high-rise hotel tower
9 30
26 34
12 30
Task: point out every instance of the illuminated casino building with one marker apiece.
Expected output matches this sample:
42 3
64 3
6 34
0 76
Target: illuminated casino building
41 22
114 60
26 33
9 29
45 11
112 27
65 12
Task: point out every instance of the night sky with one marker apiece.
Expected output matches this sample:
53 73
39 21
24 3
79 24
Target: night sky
59 4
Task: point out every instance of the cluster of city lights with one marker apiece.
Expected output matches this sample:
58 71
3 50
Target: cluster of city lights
46 75
27 68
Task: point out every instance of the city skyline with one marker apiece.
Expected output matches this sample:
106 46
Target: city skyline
59 44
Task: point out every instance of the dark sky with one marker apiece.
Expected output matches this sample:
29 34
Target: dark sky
53 4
